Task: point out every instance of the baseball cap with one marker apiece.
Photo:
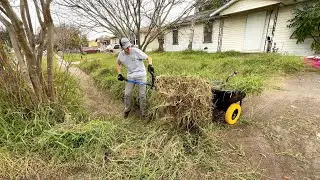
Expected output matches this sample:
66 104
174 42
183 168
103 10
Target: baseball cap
125 43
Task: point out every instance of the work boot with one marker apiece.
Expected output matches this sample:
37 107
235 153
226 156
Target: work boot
143 117
126 114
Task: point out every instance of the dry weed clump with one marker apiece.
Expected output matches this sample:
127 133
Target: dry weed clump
186 100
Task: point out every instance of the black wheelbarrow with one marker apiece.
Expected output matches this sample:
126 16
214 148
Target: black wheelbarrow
228 101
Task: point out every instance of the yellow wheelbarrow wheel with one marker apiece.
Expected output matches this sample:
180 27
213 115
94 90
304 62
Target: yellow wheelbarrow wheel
233 113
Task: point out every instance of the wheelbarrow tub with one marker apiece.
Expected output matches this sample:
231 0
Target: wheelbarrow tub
222 99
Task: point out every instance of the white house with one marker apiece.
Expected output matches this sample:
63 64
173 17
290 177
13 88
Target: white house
245 26
206 32
154 45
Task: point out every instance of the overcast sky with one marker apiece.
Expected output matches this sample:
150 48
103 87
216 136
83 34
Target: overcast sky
62 15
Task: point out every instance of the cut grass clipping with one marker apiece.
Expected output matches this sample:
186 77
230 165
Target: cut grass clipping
186 100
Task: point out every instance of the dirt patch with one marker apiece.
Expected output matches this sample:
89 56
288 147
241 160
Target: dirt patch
283 141
99 103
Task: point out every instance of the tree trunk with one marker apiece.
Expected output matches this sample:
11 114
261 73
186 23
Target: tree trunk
138 37
23 41
48 22
50 61
193 22
21 62
144 48
35 80
161 42
8 73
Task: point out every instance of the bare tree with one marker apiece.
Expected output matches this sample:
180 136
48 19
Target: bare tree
69 38
29 49
193 23
125 18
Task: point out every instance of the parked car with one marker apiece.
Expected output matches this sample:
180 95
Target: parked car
88 50
108 48
313 61
114 48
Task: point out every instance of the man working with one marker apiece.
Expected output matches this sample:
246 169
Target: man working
133 58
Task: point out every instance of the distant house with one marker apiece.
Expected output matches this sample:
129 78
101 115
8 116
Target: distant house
93 43
105 41
114 40
242 25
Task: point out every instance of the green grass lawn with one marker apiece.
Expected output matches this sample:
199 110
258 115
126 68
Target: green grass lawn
254 69
85 148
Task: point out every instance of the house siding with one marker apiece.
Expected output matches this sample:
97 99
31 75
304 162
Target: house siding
245 5
198 38
114 41
183 37
283 33
154 45
233 33
234 28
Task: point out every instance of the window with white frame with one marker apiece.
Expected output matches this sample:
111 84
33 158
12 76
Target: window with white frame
175 38
207 32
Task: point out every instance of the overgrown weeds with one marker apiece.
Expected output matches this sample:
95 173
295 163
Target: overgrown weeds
108 149
253 69
22 122
60 143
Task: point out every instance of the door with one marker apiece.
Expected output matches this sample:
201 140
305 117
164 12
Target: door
254 31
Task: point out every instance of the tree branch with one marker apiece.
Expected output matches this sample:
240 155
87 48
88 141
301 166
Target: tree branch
18 28
3 11
4 21
29 31
38 12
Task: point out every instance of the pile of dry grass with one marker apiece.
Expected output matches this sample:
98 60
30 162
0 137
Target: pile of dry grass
186 100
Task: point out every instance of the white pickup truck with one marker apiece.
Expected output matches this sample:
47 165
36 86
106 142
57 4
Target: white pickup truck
113 48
